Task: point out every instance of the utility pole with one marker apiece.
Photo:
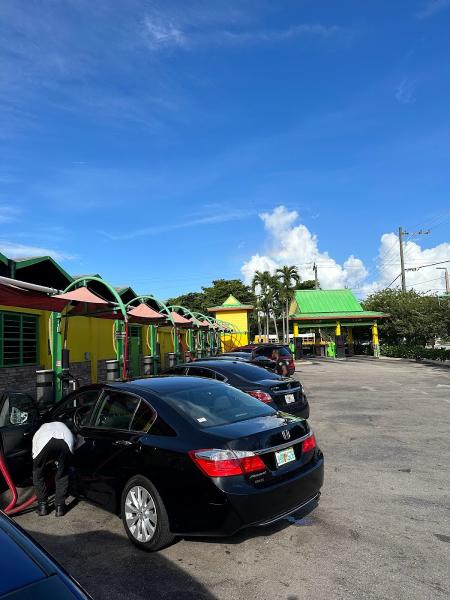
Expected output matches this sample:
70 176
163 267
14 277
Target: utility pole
401 233
316 279
447 283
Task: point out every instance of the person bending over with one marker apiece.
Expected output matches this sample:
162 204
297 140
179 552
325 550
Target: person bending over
52 442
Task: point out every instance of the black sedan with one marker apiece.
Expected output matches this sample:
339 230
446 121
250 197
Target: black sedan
259 361
282 393
27 571
181 456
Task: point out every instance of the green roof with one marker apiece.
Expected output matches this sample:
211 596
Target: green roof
231 303
328 304
3 259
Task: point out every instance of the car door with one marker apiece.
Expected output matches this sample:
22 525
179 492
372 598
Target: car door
110 452
19 419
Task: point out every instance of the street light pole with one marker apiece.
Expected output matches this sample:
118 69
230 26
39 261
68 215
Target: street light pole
447 283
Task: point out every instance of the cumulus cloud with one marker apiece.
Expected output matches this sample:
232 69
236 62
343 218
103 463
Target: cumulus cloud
289 242
424 278
292 243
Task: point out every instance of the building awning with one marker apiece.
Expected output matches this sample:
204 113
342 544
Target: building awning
82 294
144 312
11 295
180 321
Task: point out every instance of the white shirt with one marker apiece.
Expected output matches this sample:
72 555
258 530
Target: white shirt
47 431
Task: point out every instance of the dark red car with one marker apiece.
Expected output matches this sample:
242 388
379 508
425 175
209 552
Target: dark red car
267 350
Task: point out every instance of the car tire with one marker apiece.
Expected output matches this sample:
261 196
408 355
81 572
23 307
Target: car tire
144 515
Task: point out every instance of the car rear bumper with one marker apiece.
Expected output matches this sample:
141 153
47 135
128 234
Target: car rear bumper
245 505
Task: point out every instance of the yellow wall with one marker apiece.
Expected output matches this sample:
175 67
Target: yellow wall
239 320
85 334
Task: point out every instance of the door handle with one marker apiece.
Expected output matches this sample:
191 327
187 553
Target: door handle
122 443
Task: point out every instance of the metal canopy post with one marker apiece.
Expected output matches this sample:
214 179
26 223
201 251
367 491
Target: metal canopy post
56 347
154 328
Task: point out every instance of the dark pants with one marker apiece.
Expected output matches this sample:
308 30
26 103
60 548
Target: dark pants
54 450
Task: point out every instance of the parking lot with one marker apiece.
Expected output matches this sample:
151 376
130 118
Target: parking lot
381 531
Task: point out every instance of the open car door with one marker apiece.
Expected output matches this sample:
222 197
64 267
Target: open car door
19 419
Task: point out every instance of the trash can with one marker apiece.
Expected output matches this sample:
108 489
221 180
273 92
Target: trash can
112 370
171 359
45 387
148 365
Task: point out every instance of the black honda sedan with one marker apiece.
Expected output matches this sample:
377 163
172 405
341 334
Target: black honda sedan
189 456
282 393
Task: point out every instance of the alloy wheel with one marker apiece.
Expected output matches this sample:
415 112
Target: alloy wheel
140 513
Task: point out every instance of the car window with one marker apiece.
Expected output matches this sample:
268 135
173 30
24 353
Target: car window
176 371
201 372
116 410
75 400
143 418
247 371
211 404
17 409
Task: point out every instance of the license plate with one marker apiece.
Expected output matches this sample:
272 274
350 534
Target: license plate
282 457
289 398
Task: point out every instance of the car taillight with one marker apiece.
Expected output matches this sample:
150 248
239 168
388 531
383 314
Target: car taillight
309 444
260 395
225 463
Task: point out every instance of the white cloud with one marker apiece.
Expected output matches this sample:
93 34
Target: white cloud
162 35
194 221
404 92
292 243
433 8
8 213
425 278
13 250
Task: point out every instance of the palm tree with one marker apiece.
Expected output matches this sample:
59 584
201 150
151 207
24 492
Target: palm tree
264 281
289 277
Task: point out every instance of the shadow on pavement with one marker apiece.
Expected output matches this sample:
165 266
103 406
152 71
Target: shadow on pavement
110 568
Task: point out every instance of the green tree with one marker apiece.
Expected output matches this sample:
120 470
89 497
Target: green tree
263 282
289 278
414 318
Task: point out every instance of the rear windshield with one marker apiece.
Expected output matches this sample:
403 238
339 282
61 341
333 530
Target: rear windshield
243 370
284 352
214 403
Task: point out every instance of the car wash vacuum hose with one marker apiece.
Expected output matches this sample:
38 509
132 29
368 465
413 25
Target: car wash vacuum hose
12 509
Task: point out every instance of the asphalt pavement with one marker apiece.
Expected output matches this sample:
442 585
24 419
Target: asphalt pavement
381 531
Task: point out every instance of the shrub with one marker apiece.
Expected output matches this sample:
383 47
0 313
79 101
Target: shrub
415 352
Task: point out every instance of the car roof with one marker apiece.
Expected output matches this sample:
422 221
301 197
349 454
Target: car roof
163 384
228 366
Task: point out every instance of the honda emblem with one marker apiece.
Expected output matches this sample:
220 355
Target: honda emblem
286 434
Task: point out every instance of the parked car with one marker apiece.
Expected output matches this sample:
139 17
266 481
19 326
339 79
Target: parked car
27 571
181 456
257 350
282 393
259 361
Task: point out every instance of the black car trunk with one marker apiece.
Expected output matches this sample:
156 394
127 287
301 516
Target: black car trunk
261 433
269 437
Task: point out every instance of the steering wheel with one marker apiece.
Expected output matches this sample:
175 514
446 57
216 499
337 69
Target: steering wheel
78 415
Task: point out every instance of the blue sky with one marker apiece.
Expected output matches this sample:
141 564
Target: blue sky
164 144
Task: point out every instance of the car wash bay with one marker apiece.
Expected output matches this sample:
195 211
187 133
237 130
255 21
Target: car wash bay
381 530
